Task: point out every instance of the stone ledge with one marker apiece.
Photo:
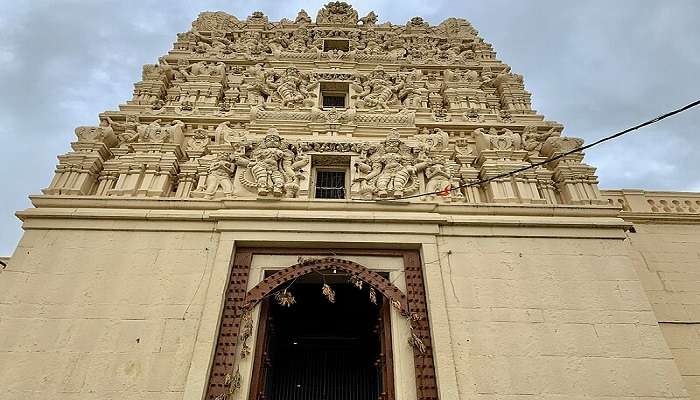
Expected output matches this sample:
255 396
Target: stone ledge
92 202
246 220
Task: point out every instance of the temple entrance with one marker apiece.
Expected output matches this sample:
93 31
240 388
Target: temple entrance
322 350
359 318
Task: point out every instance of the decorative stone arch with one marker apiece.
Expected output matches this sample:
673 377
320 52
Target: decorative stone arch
239 302
378 282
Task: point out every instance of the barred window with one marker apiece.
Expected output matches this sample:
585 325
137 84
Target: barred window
333 101
330 184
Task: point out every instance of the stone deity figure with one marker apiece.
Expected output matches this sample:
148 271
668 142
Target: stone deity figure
378 91
533 140
428 141
390 172
272 166
438 174
290 87
216 43
299 40
130 127
220 172
157 133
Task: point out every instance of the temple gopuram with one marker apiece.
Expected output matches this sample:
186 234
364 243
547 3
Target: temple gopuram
327 208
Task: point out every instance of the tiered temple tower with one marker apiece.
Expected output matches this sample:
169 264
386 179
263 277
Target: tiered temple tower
254 109
256 153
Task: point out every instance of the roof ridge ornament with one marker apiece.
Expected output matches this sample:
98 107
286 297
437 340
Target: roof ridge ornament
337 13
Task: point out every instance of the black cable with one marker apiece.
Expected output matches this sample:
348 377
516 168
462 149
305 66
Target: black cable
537 164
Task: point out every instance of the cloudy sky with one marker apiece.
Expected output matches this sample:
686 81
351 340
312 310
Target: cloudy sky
596 66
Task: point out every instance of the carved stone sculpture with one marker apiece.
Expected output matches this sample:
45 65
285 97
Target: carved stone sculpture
198 142
439 175
378 91
290 87
337 12
534 140
272 167
129 128
428 141
225 134
97 134
219 175
504 139
157 133
390 170
215 21
302 17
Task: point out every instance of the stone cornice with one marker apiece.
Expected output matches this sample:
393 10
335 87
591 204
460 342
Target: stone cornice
59 212
103 203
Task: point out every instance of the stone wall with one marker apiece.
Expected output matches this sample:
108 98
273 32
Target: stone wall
95 314
125 303
664 245
553 318
668 263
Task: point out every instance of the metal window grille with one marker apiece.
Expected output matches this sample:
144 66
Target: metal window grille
334 101
330 184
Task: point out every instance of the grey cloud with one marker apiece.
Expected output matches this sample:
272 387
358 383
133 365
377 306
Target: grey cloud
595 66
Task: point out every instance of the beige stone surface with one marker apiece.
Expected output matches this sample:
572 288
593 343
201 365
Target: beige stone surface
534 289
101 314
668 262
513 315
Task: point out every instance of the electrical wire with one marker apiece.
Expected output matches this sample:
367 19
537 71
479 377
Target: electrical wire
537 164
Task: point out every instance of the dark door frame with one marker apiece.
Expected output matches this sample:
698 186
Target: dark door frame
238 300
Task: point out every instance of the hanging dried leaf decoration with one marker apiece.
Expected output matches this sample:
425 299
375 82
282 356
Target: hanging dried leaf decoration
416 342
285 298
373 295
328 292
356 281
246 332
246 325
245 350
235 383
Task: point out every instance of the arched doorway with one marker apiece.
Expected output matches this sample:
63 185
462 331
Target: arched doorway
236 323
313 344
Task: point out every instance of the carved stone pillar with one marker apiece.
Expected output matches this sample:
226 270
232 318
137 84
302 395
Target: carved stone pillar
160 163
188 178
500 153
467 174
148 92
149 172
545 181
108 177
576 181
128 179
78 170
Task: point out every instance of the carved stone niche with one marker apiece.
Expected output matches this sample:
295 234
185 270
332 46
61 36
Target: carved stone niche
500 152
576 181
